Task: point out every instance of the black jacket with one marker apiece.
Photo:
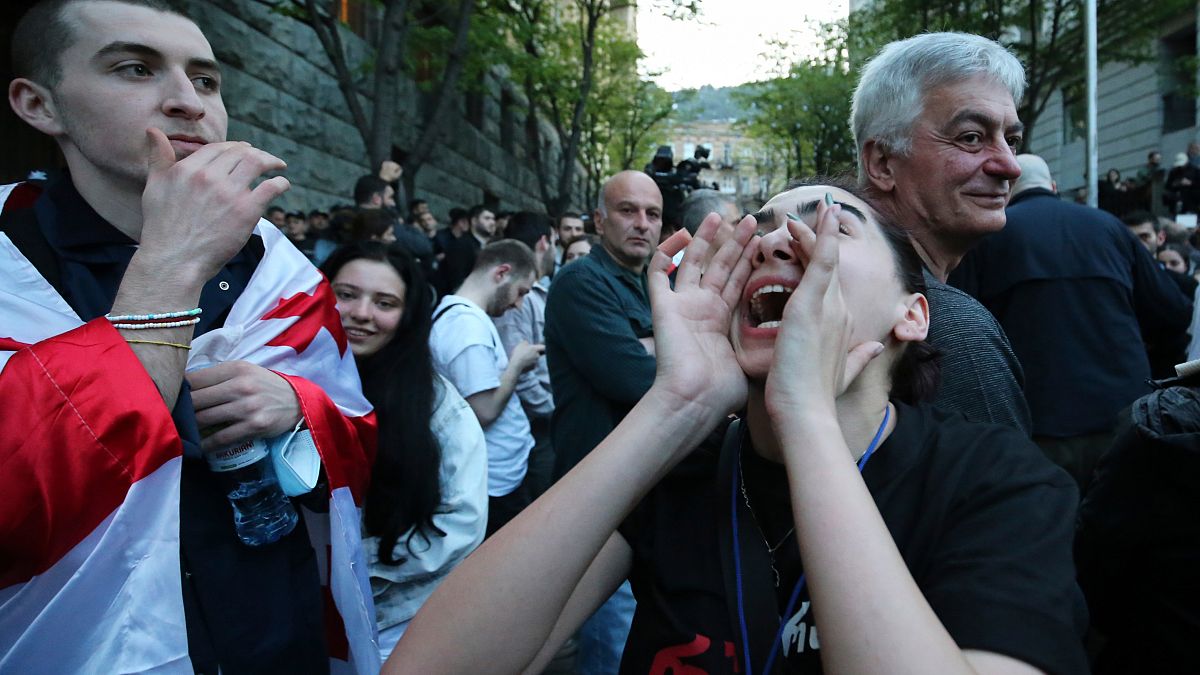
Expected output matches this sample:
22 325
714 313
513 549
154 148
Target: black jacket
1138 544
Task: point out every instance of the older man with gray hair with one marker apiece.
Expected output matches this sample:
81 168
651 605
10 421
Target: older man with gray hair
1077 293
935 123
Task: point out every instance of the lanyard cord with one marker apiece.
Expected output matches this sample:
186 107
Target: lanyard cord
800 583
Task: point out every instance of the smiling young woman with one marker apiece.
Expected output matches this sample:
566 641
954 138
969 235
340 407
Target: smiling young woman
426 508
844 526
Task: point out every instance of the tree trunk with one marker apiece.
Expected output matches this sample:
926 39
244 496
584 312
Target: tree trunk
435 120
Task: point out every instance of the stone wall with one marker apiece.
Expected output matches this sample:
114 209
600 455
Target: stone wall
282 96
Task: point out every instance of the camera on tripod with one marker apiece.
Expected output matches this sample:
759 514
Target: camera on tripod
676 181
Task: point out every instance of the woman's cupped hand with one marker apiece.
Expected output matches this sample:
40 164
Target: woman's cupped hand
695 360
815 360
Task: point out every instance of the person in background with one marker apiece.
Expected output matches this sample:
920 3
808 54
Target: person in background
468 352
296 229
426 507
527 323
599 346
277 217
1113 195
1183 185
1148 229
372 225
1076 293
373 192
417 208
1151 179
461 253
320 228
570 228
1176 258
580 248
500 231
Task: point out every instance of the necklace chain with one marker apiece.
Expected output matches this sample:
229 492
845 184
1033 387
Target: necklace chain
762 535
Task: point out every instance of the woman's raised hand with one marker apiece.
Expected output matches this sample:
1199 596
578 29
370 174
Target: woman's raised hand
814 360
695 361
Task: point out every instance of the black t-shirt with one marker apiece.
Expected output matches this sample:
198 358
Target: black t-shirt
982 519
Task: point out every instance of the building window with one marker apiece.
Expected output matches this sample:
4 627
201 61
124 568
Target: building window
727 155
688 150
1177 79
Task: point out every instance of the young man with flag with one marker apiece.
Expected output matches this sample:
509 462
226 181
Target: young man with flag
143 307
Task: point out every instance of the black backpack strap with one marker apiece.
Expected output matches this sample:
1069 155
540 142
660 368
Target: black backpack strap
22 228
445 309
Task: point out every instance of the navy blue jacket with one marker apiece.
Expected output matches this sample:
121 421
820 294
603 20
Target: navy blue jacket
1075 291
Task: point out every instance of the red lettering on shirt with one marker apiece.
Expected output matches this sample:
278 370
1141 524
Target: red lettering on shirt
670 659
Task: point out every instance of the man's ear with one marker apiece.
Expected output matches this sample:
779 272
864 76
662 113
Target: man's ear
1162 237
33 103
913 325
877 163
598 222
500 272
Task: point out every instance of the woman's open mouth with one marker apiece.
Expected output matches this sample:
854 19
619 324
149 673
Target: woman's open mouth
766 305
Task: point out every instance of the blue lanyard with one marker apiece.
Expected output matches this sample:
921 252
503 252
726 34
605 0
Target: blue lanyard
737 562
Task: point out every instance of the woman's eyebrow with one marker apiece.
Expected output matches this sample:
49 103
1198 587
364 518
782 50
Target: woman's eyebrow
765 216
808 208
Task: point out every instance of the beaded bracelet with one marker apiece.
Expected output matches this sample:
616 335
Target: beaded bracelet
159 342
147 326
155 317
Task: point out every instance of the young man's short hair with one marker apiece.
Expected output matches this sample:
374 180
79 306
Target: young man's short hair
509 252
42 35
1135 218
457 214
476 210
527 227
368 186
275 209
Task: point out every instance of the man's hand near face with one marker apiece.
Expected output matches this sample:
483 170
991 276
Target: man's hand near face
197 213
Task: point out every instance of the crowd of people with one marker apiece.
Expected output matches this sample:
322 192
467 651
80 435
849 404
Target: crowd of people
922 419
1160 190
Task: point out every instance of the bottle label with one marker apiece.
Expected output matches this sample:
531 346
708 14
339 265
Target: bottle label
237 456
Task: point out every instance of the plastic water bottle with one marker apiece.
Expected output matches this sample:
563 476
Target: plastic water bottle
262 514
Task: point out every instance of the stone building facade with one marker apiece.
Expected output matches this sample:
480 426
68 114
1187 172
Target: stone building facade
1140 108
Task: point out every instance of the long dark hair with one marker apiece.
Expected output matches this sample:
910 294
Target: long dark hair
917 373
399 380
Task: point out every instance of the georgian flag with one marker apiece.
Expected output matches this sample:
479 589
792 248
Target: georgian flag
90 467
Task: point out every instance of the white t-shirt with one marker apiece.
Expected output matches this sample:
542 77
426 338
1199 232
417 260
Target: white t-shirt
467 351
